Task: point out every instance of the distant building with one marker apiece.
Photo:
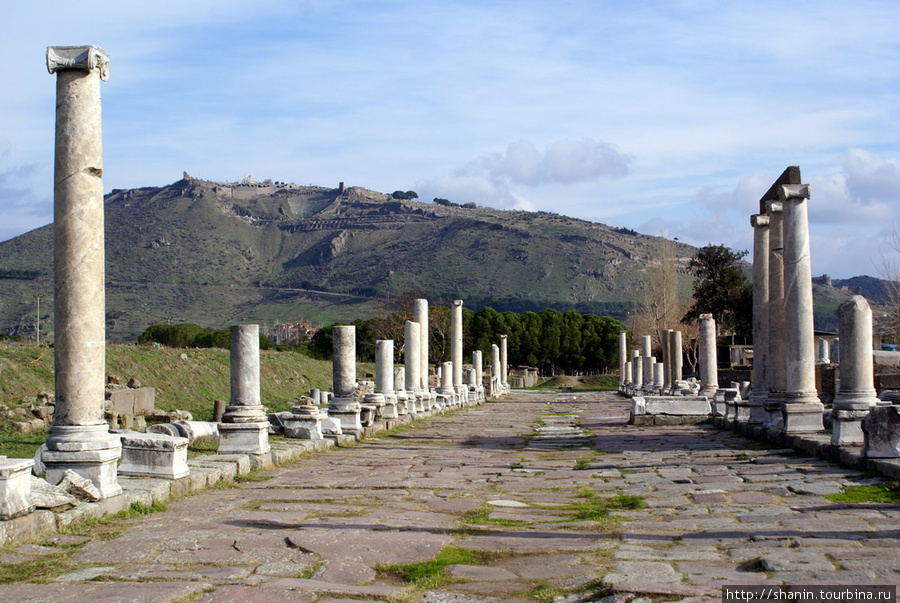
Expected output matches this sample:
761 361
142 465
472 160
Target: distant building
293 333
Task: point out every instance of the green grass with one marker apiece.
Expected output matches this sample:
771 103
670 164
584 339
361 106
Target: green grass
888 492
17 445
431 574
481 516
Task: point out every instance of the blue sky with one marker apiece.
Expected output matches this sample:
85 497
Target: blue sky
666 117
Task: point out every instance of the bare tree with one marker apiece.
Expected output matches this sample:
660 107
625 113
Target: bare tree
890 272
661 307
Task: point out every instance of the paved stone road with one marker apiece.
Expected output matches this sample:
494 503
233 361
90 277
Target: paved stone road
521 482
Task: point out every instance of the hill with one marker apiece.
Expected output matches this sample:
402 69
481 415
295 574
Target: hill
218 253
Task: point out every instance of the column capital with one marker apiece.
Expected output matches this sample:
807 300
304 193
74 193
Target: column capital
759 220
458 302
789 192
774 207
86 58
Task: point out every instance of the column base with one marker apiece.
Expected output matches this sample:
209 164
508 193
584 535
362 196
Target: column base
772 408
346 411
846 427
88 450
802 414
757 408
244 438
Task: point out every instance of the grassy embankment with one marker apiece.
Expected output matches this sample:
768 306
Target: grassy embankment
192 384
586 383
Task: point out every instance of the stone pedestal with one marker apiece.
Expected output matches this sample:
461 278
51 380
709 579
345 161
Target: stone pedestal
856 396
344 406
802 412
80 438
154 455
244 428
15 487
304 423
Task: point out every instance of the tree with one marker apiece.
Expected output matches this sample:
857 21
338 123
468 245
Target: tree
661 307
890 273
722 289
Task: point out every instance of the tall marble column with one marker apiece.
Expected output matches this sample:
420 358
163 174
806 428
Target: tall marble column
79 439
420 316
496 383
857 392
623 358
709 374
412 341
478 364
456 347
646 362
244 428
802 412
760 391
776 376
344 406
504 362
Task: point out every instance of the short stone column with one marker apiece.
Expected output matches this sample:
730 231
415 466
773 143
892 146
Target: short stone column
776 375
709 373
244 428
344 406
834 350
79 438
384 377
659 377
646 364
446 393
802 412
412 339
504 362
857 392
406 405
478 365
760 391
456 346
623 358
823 355
629 380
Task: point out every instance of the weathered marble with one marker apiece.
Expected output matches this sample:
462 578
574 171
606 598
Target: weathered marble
777 374
244 428
709 370
856 395
760 391
802 410
15 487
456 345
623 358
79 439
154 455
344 406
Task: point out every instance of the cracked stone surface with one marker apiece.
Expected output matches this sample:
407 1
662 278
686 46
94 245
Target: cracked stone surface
515 484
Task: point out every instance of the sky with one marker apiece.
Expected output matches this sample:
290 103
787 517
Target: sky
667 117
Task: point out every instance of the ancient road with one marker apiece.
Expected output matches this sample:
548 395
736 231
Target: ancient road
529 498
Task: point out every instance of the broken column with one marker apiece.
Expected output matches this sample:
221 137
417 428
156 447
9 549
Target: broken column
677 362
802 411
384 379
478 365
344 406
446 393
757 398
496 384
822 351
857 392
667 359
405 404
709 374
623 358
637 371
244 428
79 438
